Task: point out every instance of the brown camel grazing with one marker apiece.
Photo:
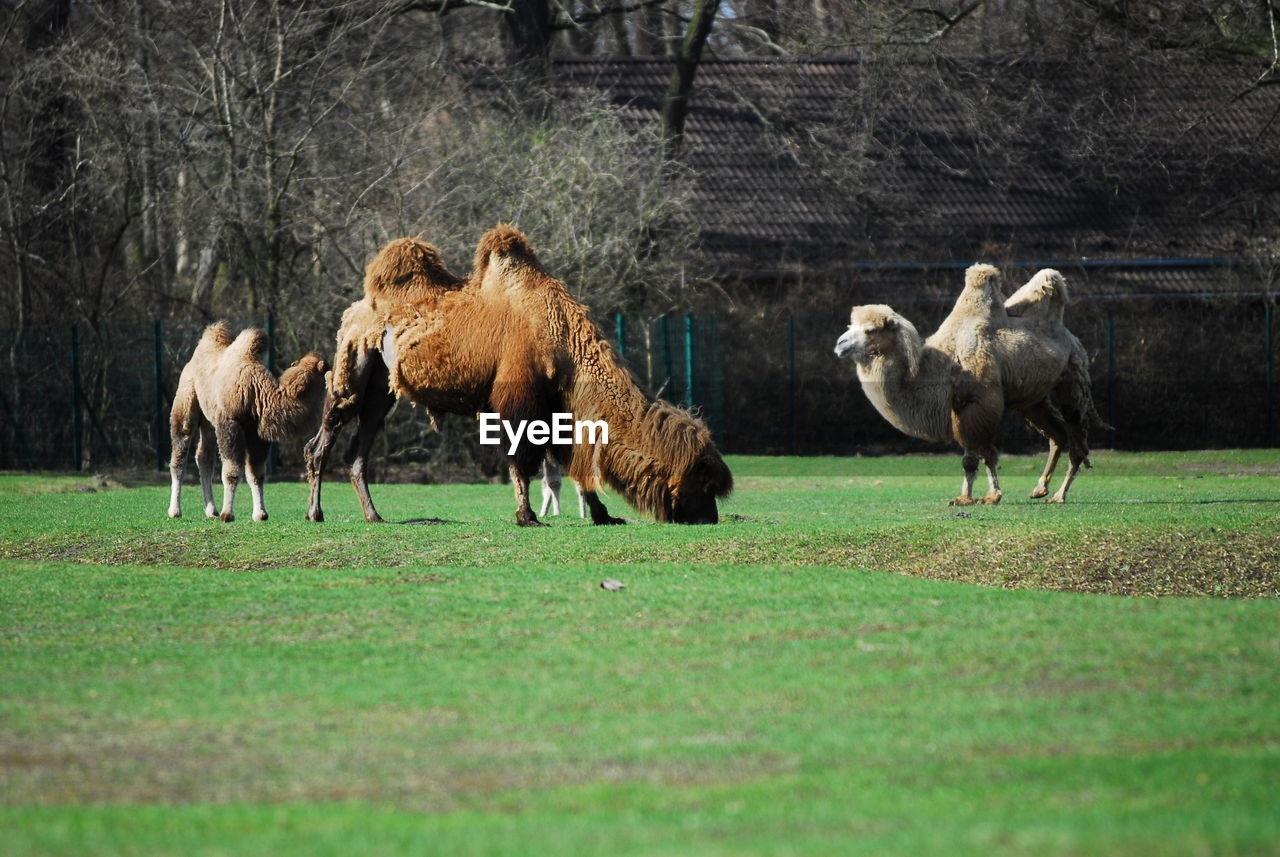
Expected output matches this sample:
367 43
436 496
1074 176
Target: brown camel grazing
509 340
233 401
982 361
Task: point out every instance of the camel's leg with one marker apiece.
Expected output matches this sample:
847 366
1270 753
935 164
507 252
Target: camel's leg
974 425
1045 418
970 464
599 514
184 421
551 483
1051 464
991 458
1072 471
206 458
231 446
582 500
524 511
377 401
255 471
340 407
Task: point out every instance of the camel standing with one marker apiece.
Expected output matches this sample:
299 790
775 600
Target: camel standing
981 361
551 482
238 409
509 339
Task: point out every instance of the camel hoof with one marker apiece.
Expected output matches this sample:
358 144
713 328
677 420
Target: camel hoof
260 516
227 517
992 499
317 516
529 520
962 501
1056 499
609 521
375 518
175 513
211 511
1037 493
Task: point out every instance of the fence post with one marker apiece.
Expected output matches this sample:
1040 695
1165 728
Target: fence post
157 357
1111 377
622 336
1271 392
664 329
271 367
688 357
791 383
77 430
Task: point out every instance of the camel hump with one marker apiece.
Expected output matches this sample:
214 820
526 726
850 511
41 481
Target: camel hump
404 267
218 333
252 343
502 240
1044 295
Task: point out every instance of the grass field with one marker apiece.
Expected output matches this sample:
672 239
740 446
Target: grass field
843 666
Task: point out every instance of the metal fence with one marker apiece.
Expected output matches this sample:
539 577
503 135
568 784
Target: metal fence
1180 374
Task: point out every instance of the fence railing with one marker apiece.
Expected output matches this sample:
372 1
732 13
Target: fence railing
1167 375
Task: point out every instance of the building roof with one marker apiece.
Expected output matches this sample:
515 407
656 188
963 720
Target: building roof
805 168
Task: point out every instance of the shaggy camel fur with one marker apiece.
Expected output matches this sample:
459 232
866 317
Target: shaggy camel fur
551 483
982 361
509 339
228 397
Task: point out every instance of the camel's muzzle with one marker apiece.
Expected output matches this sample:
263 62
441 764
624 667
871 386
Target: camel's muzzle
851 343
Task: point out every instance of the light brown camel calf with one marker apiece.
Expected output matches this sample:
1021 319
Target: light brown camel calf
230 399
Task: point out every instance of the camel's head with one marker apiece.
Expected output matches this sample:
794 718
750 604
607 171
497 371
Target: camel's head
875 330
692 499
305 380
983 286
666 464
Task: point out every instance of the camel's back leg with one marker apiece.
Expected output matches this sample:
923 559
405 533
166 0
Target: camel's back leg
232 448
551 483
375 404
255 471
206 458
184 422
1045 418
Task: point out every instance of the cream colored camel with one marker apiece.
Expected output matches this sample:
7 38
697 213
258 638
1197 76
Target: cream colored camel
230 399
957 384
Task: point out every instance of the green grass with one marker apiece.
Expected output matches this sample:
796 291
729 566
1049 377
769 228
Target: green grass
766 686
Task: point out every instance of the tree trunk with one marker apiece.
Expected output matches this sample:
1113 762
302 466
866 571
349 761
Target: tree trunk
675 103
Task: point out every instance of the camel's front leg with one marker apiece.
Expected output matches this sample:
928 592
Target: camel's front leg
970 464
991 459
255 471
599 514
231 446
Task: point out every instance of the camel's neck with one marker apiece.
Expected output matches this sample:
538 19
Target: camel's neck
916 403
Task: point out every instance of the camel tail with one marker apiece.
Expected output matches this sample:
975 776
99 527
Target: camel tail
405 268
502 240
